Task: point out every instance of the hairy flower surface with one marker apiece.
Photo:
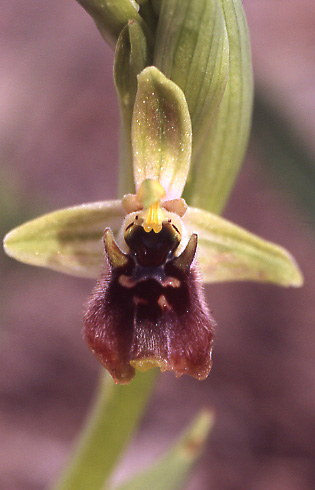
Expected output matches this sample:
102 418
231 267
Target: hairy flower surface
148 307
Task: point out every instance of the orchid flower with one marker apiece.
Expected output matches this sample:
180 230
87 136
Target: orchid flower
148 307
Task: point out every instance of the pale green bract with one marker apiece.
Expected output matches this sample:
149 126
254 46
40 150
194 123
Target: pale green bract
192 49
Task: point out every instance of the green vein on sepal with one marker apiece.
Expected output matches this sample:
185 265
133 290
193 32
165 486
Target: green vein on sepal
68 240
218 160
161 132
192 50
227 252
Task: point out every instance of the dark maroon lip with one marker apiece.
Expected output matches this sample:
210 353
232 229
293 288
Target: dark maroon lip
149 305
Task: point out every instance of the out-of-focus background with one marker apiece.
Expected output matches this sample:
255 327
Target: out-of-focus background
59 147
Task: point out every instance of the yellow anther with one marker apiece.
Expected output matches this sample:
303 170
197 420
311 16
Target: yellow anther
154 218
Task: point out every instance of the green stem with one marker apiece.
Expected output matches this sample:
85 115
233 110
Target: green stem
110 425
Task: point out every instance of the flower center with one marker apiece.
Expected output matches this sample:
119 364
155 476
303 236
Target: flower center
149 195
153 218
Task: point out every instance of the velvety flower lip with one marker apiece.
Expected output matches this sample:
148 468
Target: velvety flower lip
148 306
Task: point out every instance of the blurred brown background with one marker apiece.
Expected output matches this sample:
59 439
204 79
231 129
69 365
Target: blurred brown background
58 147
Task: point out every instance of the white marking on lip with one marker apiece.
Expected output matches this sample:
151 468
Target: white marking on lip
126 281
139 301
163 303
171 281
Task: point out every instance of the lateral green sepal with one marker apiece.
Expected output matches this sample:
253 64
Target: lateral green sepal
227 252
68 240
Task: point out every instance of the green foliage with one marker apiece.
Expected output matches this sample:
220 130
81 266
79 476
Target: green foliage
131 57
227 252
68 240
218 160
202 76
170 472
112 16
111 424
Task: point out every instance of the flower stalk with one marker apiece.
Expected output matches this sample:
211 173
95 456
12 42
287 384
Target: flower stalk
113 418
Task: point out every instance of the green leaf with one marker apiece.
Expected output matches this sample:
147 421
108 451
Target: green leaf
192 50
109 428
227 252
284 155
156 5
148 14
172 470
131 57
216 164
112 16
69 240
161 133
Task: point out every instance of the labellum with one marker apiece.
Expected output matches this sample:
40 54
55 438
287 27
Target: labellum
148 307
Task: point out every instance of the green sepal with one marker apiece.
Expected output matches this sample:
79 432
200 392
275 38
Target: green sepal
192 50
218 160
161 133
131 57
227 252
171 471
68 240
111 16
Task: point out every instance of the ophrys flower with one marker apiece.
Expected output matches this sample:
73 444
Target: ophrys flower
148 307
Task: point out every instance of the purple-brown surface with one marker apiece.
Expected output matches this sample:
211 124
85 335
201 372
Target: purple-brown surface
58 137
